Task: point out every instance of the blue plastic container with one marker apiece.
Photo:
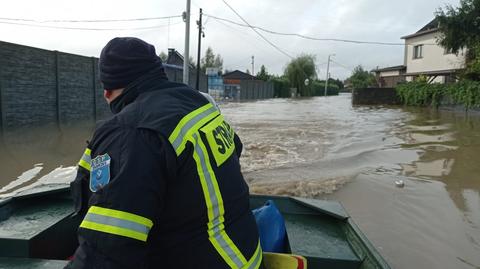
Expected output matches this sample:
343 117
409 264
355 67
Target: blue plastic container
271 227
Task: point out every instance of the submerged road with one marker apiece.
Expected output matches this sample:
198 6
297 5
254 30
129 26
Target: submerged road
325 148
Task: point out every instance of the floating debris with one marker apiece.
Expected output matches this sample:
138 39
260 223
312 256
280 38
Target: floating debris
399 183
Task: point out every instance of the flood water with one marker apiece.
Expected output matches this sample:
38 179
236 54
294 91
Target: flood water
325 148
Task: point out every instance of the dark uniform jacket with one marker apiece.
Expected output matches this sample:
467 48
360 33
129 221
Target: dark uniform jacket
160 186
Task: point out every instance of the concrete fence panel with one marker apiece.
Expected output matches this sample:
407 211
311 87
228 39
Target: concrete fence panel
76 88
28 85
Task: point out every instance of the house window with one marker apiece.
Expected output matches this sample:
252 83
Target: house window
418 52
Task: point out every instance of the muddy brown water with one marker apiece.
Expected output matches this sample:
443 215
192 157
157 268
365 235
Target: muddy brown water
325 148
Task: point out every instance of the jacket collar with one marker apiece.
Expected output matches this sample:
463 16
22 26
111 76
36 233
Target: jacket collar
148 82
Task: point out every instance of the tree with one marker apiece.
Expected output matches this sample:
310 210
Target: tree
247 71
163 56
192 62
362 78
211 60
337 82
460 28
263 74
300 69
218 63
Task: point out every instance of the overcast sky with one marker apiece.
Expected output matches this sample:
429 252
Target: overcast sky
369 20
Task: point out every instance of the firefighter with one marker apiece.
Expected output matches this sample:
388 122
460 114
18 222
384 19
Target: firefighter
159 185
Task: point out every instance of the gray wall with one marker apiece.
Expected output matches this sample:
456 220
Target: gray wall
40 87
255 90
176 74
375 96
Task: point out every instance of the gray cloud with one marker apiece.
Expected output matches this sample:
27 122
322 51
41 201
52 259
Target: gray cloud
373 20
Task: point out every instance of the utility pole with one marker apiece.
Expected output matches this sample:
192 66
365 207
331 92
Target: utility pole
186 56
253 66
200 35
328 70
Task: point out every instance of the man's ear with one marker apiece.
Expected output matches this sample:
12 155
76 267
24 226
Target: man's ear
107 94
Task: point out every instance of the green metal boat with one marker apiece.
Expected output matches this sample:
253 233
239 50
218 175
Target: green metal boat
38 230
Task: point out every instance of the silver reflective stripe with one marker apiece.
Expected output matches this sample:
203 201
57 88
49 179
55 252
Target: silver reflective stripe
86 158
216 210
258 258
183 132
126 224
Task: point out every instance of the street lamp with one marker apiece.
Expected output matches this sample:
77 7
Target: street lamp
328 70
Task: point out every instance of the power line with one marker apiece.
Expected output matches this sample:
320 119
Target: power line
245 34
88 29
254 29
310 37
341 65
90 21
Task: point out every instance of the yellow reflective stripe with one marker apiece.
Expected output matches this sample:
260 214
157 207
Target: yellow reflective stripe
85 165
85 160
215 210
189 124
186 119
121 215
114 230
220 206
117 222
256 259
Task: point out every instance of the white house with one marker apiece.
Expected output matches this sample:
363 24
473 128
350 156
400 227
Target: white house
423 56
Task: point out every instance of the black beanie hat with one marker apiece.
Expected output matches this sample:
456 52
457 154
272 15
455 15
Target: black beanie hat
124 59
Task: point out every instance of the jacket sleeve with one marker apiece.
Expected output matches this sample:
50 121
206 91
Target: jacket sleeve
79 187
115 230
238 145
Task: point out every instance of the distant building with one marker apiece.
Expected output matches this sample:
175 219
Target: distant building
174 70
215 83
423 56
389 77
232 81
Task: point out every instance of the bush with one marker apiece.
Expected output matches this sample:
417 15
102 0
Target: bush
281 87
420 93
318 88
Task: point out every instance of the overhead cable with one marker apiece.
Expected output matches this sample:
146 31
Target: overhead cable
256 31
310 37
88 28
90 21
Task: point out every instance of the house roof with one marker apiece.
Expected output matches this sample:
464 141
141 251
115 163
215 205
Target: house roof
237 74
391 68
430 27
175 58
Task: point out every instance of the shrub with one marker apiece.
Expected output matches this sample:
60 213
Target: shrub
281 87
420 93
318 88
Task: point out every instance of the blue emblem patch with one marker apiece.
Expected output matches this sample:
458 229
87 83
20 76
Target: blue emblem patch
100 173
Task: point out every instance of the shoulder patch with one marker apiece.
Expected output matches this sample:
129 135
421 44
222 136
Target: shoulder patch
100 173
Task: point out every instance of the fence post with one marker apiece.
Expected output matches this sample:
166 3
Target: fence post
94 86
57 89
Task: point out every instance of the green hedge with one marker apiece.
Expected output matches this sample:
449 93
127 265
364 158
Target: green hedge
319 88
421 93
281 88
